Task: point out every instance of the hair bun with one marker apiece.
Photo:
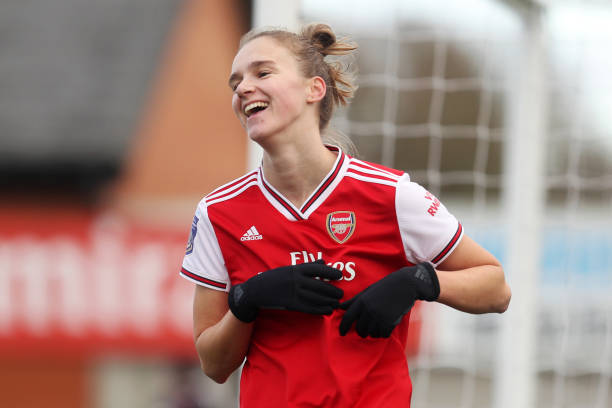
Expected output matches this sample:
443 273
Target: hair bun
320 35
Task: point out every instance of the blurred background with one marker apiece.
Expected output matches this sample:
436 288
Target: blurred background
115 119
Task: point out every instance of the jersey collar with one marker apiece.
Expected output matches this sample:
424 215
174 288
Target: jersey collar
323 190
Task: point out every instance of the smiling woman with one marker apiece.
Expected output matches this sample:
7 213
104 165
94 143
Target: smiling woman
264 66
312 63
274 252
298 54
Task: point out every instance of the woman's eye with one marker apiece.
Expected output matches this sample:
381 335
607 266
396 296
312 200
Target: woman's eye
263 74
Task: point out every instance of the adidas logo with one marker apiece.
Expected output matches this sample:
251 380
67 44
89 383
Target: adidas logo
251 235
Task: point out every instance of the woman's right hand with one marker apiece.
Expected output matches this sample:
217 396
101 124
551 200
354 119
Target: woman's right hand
299 288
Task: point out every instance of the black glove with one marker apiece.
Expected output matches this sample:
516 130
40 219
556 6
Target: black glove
380 307
291 287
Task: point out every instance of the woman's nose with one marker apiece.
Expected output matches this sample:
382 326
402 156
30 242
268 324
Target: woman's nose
244 87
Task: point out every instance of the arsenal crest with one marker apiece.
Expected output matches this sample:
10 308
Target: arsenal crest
341 225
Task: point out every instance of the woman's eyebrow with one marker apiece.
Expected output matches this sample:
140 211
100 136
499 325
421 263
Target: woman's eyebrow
253 65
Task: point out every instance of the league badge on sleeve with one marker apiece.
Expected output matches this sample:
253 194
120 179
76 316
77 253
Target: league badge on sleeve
194 231
340 225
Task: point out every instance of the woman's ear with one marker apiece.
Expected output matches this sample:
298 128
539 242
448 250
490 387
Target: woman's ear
316 89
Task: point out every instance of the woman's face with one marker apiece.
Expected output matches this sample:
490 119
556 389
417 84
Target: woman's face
269 89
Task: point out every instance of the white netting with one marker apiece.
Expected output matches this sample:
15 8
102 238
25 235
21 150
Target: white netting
577 308
437 82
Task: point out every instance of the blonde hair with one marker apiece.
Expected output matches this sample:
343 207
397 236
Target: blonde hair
310 47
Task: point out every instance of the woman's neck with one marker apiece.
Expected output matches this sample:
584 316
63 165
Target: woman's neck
296 169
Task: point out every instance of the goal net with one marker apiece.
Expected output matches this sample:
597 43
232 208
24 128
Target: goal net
502 109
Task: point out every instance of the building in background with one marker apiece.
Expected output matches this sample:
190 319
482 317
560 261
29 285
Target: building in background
115 119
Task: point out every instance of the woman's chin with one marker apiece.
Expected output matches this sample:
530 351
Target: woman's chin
255 136
258 135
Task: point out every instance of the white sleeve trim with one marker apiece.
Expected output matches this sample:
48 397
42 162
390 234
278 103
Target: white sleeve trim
203 263
430 233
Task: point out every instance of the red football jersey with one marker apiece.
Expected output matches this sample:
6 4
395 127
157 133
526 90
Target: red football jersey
364 219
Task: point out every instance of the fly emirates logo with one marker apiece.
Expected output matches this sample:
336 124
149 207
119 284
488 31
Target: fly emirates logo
347 268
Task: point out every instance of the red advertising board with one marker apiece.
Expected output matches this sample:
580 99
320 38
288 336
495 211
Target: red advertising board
77 283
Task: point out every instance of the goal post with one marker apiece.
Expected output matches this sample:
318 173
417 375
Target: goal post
524 196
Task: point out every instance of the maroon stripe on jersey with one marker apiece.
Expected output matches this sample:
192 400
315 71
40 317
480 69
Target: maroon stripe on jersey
324 186
448 247
220 191
280 199
210 282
